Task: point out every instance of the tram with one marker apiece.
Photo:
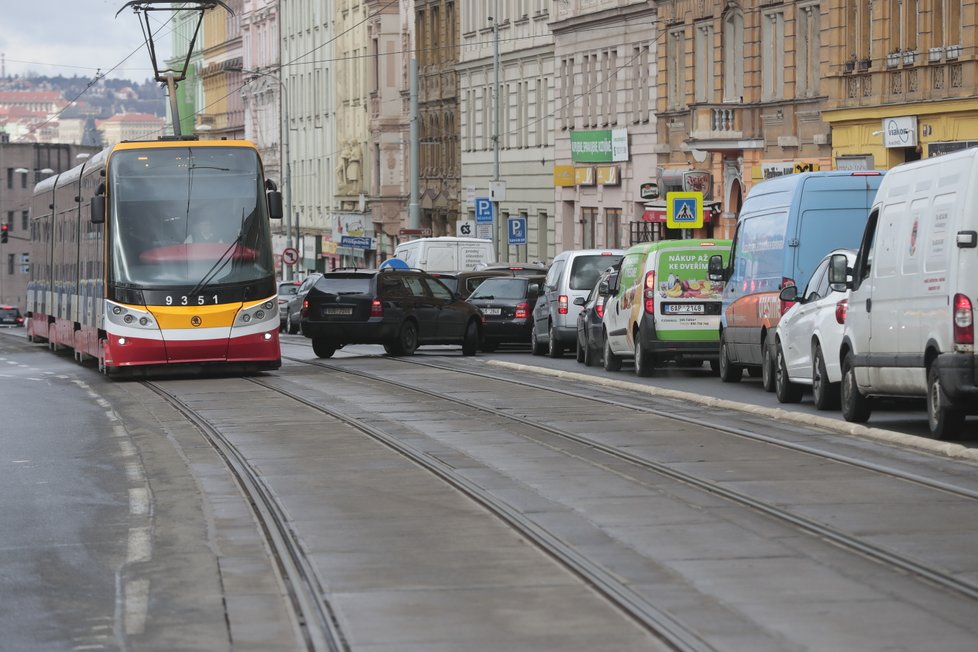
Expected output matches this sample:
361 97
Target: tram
153 256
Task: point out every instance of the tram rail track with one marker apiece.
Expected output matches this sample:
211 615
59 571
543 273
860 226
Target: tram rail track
317 620
881 555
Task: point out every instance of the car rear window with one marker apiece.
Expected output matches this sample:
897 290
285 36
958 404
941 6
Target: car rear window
501 288
344 284
8 312
585 270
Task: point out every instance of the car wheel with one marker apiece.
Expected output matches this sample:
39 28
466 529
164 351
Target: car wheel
824 393
944 420
535 347
784 389
554 348
728 371
323 348
390 348
611 361
768 369
856 408
407 339
489 346
580 350
290 326
644 364
591 357
715 367
471 342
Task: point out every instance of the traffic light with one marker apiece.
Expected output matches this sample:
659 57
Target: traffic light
4 233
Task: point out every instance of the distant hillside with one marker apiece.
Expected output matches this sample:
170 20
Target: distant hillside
105 98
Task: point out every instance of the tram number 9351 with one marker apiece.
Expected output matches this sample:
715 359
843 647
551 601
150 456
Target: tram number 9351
199 300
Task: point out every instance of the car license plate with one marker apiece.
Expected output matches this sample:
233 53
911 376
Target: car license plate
684 308
492 312
337 311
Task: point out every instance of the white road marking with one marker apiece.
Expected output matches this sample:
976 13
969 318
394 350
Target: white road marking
137 602
138 501
140 545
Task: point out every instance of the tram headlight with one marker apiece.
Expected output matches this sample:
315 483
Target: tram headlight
117 310
260 315
257 313
129 319
129 316
246 318
269 305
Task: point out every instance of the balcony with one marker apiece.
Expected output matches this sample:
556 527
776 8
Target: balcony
713 121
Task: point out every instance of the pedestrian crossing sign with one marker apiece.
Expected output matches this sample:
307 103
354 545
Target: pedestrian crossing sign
684 210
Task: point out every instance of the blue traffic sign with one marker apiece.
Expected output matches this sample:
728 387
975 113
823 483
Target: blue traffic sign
483 210
517 230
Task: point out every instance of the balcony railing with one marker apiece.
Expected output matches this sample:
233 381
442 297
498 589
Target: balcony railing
717 121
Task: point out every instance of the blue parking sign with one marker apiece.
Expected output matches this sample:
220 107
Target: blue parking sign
517 230
483 210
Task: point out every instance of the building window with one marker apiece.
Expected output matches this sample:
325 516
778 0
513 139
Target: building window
25 219
858 18
733 57
612 228
641 82
543 233
589 219
704 62
808 52
772 55
675 68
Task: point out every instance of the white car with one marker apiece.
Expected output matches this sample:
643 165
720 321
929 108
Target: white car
808 339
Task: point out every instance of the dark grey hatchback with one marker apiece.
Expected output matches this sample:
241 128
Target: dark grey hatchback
401 309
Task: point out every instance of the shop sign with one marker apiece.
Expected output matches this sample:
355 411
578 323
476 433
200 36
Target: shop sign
329 247
783 168
854 163
900 132
584 176
356 243
936 149
608 176
599 146
564 176
356 225
649 190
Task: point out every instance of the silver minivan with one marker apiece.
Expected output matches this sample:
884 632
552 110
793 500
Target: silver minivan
572 274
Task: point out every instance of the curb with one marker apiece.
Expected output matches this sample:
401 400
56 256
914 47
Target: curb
942 448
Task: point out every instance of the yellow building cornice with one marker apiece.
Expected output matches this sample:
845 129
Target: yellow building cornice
943 107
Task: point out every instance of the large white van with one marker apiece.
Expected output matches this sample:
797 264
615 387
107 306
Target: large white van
446 253
909 327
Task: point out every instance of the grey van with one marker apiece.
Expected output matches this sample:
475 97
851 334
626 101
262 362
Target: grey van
786 226
571 275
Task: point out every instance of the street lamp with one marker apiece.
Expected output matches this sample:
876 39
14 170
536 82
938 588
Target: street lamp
287 175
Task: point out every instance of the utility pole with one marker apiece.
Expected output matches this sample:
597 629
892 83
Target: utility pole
495 135
414 218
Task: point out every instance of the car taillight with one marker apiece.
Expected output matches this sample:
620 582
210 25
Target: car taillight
305 307
599 308
841 308
786 282
522 310
649 293
376 308
562 304
964 322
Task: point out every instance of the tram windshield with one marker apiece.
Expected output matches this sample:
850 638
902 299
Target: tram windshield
180 215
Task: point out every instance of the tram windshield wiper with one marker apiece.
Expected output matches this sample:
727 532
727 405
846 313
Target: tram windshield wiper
222 260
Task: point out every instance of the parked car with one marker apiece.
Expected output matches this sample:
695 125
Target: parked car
10 316
286 290
572 274
662 307
399 308
466 282
809 336
910 322
293 312
785 227
506 304
590 327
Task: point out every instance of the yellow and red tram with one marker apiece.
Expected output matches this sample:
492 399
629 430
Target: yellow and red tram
157 255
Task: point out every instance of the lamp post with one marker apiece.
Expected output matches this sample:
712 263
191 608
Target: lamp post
284 155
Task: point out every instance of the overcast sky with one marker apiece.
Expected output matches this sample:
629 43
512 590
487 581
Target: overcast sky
77 37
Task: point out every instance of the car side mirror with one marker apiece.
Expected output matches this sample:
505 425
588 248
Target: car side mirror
715 270
613 284
839 273
789 293
580 301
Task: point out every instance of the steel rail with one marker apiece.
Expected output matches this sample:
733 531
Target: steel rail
317 621
877 553
658 622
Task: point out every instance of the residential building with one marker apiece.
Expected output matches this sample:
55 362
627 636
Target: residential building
222 114
436 29
131 126
524 133
901 79
390 31
261 93
606 146
308 54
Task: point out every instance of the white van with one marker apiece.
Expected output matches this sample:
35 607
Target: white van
446 253
572 275
909 327
662 305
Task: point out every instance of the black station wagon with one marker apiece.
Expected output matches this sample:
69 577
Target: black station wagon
401 309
